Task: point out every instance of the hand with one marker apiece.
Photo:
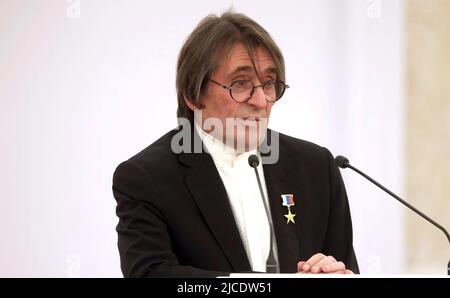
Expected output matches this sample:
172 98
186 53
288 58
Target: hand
319 263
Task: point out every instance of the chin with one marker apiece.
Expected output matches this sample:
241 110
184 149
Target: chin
251 139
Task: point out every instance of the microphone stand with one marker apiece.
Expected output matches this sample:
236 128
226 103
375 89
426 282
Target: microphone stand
271 263
343 163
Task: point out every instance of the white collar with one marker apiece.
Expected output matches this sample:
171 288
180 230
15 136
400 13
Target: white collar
220 152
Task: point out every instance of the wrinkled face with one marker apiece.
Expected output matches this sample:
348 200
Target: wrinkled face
243 124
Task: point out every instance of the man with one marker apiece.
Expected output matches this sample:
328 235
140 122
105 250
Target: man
185 212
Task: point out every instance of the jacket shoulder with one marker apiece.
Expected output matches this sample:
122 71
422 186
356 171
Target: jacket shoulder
155 161
301 147
305 153
156 153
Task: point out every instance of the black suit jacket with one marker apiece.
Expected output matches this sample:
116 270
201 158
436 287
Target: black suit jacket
175 219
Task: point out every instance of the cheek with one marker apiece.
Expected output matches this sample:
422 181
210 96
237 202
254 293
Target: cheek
268 109
220 106
225 107
232 109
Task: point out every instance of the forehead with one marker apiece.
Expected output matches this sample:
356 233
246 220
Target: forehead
239 58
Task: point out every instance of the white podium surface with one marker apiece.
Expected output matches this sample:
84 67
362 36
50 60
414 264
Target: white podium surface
304 275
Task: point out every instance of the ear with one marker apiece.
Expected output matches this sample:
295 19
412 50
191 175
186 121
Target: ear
190 104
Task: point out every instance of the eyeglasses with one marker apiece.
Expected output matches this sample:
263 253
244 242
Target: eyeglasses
242 90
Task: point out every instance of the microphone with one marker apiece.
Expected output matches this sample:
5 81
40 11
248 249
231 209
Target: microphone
343 163
272 265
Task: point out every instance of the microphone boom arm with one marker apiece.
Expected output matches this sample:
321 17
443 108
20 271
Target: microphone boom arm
343 162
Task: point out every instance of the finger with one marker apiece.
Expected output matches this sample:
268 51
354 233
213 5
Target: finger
318 267
334 267
312 261
300 266
348 272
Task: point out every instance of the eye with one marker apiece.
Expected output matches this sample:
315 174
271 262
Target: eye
242 85
269 84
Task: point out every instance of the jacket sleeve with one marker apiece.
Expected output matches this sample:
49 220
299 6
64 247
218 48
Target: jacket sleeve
143 239
339 239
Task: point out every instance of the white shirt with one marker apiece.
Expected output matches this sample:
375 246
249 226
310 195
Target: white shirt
245 199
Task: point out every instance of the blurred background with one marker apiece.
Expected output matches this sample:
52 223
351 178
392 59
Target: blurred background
85 85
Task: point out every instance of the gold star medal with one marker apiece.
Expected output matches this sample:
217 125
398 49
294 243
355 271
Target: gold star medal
288 201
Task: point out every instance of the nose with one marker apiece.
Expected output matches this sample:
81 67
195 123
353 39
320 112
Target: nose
258 98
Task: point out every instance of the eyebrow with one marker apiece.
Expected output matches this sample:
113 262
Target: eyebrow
241 69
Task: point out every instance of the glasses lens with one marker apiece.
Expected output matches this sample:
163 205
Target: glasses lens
241 90
274 90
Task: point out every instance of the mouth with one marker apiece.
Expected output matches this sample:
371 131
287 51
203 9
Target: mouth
250 118
249 121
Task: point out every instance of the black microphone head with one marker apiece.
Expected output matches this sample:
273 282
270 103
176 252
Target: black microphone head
253 161
341 161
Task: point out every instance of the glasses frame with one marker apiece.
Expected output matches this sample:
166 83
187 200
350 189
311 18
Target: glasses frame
230 88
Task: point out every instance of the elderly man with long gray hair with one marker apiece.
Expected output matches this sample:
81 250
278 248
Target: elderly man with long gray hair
190 205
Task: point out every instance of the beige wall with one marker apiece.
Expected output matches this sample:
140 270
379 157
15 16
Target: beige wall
428 132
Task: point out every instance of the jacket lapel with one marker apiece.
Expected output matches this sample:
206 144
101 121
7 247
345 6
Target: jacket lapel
208 191
284 177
